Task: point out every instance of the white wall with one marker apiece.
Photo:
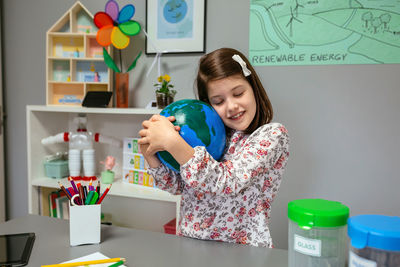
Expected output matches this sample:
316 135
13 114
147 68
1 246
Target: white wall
2 178
343 119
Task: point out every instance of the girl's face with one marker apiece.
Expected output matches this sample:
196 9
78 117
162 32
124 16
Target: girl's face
233 99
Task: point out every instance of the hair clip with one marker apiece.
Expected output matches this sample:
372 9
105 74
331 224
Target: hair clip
238 59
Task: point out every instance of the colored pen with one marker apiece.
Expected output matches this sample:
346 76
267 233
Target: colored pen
85 263
94 198
98 187
85 192
91 188
78 185
104 194
89 197
73 185
71 191
81 195
65 191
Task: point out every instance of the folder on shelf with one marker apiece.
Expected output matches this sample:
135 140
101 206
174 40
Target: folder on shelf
52 202
62 207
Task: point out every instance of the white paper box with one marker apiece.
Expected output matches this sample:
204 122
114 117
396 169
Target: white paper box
84 224
134 161
127 176
139 177
131 145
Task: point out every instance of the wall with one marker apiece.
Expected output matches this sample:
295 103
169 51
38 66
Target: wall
343 120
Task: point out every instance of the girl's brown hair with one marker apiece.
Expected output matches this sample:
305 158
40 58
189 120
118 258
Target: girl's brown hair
218 65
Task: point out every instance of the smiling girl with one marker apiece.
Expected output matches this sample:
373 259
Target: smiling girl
227 200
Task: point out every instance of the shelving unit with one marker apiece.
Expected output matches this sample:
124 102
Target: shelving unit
74 59
44 121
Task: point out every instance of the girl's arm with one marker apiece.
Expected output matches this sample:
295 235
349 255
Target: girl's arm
159 134
165 179
266 150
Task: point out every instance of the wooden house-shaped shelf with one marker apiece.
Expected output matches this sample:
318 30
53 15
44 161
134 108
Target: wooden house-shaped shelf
74 59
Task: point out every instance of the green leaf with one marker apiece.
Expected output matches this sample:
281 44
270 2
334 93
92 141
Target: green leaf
134 62
109 61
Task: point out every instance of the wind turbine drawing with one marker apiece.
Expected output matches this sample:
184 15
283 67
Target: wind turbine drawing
290 23
296 8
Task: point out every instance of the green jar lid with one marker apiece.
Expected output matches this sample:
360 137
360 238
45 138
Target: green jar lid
308 213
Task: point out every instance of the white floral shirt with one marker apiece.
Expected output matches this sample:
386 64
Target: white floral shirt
230 200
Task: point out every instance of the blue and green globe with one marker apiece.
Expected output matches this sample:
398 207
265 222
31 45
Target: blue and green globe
200 126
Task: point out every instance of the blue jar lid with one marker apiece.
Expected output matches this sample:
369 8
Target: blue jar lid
375 231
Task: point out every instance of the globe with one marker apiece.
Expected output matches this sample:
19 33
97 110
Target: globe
200 126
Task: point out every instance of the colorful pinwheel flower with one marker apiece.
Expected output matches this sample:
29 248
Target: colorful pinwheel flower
115 27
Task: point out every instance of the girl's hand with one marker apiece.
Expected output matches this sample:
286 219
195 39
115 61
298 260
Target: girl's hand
151 159
170 118
159 133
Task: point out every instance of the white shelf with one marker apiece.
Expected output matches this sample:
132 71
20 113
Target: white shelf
47 120
68 109
118 188
72 82
71 34
76 58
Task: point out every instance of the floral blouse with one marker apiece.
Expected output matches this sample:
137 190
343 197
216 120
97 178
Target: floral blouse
230 200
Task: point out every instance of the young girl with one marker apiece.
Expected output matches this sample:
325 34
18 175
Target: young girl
227 200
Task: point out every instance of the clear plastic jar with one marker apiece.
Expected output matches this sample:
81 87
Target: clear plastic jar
317 233
374 241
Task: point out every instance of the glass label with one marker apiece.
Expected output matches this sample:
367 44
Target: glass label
307 246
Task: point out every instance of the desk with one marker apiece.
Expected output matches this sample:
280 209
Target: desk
140 248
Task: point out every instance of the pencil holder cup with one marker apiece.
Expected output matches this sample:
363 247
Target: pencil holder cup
84 224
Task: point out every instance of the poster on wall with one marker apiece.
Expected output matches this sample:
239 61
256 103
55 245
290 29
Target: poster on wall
175 26
324 32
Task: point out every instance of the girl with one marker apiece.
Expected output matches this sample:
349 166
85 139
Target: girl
229 200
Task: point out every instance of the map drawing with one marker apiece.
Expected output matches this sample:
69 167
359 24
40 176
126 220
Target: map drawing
324 32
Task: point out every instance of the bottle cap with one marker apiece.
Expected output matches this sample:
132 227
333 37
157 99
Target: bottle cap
308 213
376 231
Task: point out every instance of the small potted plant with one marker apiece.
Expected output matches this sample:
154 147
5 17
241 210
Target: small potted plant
164 93
107 176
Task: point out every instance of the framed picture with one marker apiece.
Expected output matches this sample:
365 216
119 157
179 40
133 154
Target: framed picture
175 26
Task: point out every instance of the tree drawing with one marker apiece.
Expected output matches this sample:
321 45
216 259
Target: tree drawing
376 22
385 18
367 17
